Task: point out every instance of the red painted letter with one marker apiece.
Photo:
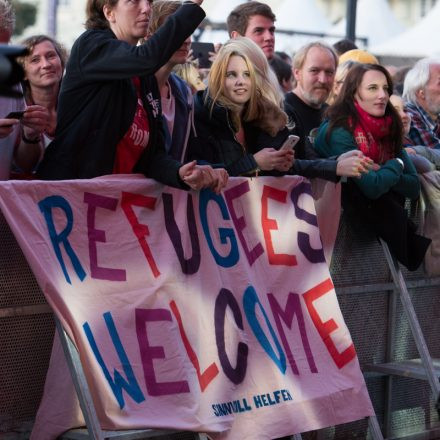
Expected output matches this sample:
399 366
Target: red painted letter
129 200
326 328
208 375
269 224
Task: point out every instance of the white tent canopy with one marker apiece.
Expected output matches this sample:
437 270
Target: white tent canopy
218 12
420 41
298 15
374 20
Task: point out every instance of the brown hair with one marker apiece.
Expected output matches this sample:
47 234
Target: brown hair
238 19
343 112
95 13
32 41
160 11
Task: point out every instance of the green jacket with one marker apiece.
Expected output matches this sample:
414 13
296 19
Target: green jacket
373 184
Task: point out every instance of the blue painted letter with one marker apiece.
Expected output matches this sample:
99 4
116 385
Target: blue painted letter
46 206
118 383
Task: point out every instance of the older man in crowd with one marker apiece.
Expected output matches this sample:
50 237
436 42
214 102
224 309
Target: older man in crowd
314 67
421 92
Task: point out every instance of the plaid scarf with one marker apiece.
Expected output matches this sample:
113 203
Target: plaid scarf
371 135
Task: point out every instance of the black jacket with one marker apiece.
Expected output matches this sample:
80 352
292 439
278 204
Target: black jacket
97 102
216 144
215 140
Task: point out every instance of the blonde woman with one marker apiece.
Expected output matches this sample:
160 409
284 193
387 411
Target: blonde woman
189 73
241 126
239 121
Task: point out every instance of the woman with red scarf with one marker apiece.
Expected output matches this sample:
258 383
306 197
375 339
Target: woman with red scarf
363 118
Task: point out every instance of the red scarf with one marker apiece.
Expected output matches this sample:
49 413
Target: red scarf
370 135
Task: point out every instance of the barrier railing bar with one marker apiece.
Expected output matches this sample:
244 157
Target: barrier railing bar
413 322
380 287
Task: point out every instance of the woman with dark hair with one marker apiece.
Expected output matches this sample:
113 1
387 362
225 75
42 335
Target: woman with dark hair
109 118
362 118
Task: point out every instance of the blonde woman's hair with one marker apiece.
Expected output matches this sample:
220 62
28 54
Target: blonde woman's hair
340 74
264 107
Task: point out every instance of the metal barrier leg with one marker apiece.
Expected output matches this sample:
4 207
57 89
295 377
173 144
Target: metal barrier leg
389 357
81 386
414 323
373 424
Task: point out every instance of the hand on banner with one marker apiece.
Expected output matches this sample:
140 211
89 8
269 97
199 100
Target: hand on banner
203 176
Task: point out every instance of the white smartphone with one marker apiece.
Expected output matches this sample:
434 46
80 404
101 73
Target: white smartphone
290 142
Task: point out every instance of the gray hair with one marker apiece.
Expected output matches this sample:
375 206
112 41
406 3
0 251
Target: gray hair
301 54
417 78
7 14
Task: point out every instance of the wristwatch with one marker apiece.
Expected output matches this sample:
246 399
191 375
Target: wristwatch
401 162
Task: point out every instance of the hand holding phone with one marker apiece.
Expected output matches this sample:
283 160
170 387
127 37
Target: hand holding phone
15 115
290 142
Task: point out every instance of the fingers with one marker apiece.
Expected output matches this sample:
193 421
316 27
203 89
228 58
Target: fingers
7 126
36 117
8 123
186 169
222 180
351 153
203 176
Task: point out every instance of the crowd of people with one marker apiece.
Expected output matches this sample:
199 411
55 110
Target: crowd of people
129 99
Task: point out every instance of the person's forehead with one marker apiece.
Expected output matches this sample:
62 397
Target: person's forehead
43 46
319 56
373 76
434 71
259 21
